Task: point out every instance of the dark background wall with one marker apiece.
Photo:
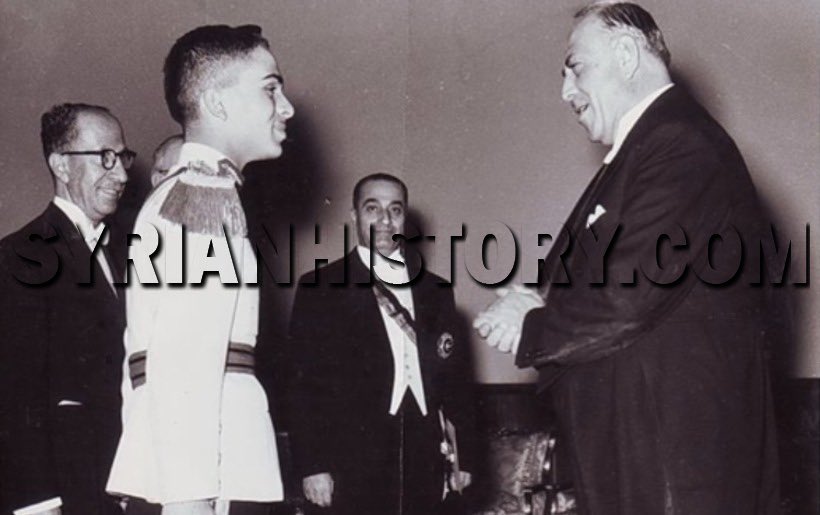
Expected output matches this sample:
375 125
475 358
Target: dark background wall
460 98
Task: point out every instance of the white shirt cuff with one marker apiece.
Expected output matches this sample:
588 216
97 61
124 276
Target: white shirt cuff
33 509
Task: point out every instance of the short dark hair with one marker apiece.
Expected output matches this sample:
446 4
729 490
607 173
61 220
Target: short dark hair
357 190
58 125
195 60
630 16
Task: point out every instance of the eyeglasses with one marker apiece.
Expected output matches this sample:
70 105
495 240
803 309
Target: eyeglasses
108 157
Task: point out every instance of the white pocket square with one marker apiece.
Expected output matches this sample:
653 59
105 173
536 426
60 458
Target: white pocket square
598 213
69 402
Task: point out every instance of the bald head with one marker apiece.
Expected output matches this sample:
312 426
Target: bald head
165 156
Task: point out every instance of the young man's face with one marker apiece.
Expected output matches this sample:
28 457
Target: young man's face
381 205
256 108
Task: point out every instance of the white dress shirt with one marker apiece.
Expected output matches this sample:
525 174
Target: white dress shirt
40 507
630 118
192 431
406 365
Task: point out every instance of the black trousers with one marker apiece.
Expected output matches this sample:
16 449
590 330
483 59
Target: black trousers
400 473
85 441
140 507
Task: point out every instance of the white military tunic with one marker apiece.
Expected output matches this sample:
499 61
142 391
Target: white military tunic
193 431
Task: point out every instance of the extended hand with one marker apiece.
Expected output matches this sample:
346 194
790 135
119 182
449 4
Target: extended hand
501 323
318 489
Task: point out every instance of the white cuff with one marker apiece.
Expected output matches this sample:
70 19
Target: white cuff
33 509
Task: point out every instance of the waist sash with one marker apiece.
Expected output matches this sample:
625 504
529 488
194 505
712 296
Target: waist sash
240 360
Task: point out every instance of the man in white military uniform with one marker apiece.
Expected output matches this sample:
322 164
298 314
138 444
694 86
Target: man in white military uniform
197 438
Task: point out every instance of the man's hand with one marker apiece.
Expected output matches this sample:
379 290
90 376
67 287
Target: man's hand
461 482
501 323
202 507
318 489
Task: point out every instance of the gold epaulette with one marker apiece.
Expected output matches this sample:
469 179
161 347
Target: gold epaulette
205 201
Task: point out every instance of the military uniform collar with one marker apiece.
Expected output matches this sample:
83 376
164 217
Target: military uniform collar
207 160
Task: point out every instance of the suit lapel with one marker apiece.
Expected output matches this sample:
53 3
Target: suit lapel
82 267
75 258
359 281
576 222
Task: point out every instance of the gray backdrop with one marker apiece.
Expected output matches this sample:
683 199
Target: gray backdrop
461 98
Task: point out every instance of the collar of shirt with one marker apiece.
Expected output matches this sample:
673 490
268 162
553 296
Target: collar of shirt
384 269
211 157
629 120
84 224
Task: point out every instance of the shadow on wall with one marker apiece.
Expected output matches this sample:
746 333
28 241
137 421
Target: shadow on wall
277 194
121 223
697 89
796 401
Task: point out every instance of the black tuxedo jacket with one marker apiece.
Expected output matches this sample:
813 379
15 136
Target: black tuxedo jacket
343 376
662 391
60 369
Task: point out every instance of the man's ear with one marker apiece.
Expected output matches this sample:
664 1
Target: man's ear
627 54
58 164
212 103
354 216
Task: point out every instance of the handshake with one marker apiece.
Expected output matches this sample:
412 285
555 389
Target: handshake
500 324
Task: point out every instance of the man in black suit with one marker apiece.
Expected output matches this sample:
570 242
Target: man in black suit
374 363
62 322
654 354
